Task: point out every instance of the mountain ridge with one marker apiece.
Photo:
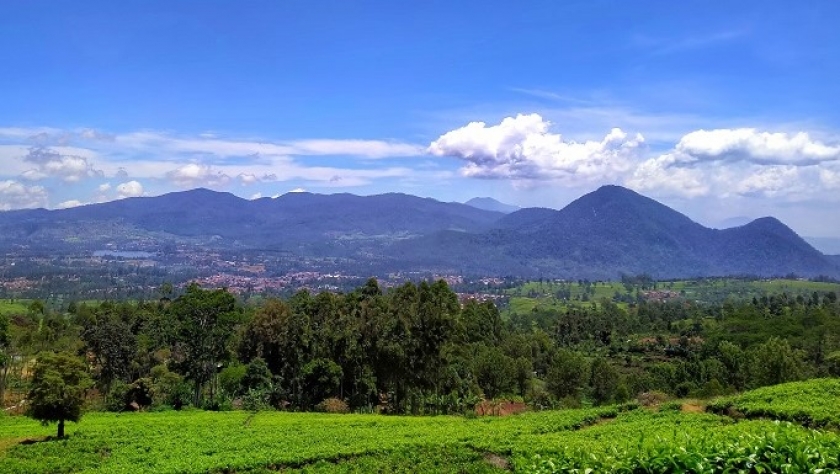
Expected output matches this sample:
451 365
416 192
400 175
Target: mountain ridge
602 234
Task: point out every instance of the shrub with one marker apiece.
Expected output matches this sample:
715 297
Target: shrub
117 397
333 405
653 398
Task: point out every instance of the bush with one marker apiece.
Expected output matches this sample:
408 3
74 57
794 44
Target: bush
230 379
180 396
117 397
653 398
219 402
256 400
141 392
333 405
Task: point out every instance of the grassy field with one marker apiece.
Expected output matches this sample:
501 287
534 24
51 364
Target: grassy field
593 440
16 307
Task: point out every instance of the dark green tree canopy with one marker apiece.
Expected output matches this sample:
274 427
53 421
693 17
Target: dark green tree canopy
58 386
204 326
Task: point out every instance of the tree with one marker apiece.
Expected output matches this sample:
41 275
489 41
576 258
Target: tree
5 357
604 381
59 383
205 321
566 375
114 346
494 371
774 362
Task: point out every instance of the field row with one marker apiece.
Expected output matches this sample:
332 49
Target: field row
587 440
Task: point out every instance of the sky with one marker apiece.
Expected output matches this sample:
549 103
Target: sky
725 111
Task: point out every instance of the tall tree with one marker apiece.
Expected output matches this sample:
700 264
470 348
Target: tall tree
57 390
5 357
566 375
205 322
113 344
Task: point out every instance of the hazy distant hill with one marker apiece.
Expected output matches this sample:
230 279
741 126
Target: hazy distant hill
826 245
600 235
490 204
614 230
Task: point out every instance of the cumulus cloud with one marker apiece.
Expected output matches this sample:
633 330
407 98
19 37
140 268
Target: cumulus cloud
49 162
15 195
657 174
104 187
742 161
753 146
523 148
298 190
197 174
248 178
130 189
770 181
830 178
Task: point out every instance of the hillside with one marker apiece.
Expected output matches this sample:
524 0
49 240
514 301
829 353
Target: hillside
602 234
604 439
614 230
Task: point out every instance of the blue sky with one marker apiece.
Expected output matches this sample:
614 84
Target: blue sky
725 111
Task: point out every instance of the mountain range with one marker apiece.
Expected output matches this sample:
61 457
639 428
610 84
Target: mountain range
603 234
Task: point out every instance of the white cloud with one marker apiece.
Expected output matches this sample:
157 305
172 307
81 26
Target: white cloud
363 148
740 162
104 187
657 174
212 145
92 134
770 181
298 190
830 178
248 178
130 189
751 145
197 174
69 204
521 148
255 196
51 162
15 195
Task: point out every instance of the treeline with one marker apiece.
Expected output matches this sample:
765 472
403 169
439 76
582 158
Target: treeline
416 349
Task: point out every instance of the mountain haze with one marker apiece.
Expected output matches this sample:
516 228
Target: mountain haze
490 204
602 234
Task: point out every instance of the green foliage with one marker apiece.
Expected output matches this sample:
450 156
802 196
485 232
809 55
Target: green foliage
567 374
814 403
230 379
780 448
774 362
57 389
204 321
256 376
602 440
495 372
604 381
117 397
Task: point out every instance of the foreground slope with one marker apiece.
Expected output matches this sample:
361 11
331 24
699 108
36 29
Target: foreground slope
597 440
